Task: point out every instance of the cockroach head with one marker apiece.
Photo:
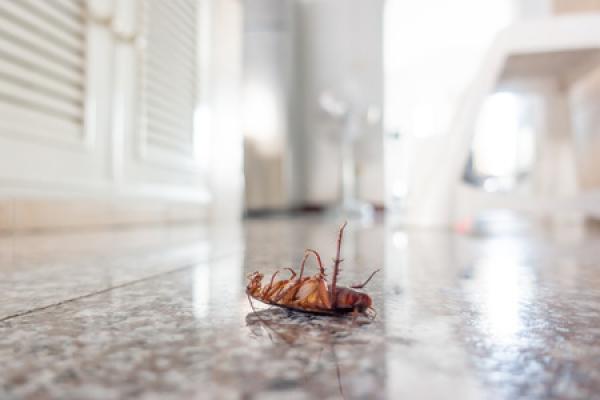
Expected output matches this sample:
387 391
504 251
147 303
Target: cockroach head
254 283
362 302
255 275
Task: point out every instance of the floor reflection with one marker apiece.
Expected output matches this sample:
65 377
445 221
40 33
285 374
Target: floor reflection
324 348
424 356
527 331
501 287
296 328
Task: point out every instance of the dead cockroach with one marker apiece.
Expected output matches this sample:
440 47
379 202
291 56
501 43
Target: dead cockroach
311 294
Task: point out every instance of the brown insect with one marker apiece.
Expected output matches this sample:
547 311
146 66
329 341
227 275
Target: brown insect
312 293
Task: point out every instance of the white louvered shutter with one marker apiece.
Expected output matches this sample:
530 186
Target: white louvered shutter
169 75
42 67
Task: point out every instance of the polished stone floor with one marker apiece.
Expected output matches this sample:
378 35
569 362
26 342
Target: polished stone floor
162 314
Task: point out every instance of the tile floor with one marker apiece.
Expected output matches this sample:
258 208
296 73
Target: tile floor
162 314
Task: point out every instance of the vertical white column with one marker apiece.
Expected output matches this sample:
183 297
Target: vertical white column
556 169
223 102
125 81
268 95
98 71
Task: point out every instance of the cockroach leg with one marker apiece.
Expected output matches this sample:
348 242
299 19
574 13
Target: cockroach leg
374 313
273 278
294 272
362 285
306 255
294 289
272 290
269 289
336 266
319 261
286 293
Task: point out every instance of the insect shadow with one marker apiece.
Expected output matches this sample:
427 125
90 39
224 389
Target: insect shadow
314 334
296 327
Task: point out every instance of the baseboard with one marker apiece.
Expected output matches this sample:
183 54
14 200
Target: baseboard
22 214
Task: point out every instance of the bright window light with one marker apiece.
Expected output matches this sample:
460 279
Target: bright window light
263 116
504 140
432 51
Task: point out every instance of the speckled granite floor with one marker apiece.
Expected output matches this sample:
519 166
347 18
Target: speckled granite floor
161 314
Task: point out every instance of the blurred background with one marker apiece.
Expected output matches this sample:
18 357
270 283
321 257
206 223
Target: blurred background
432 112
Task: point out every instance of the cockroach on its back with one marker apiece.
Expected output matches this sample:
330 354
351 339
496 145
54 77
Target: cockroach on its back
311 294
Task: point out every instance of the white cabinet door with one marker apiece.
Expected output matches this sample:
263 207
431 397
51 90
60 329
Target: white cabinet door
158 76
111 99
54 92
101 97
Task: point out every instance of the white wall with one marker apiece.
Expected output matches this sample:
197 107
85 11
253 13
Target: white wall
585 110
340 50
293 51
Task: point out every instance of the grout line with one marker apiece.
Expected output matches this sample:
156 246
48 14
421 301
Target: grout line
73 299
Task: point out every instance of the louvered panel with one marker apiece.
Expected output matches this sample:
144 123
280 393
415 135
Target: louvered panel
169 97
60 20
157 71
21 13
164 117
14 115
169 75
183 13
30 36
172 22
12 91
172 25
178 92
32 60
167 116
71 8
174 132
42 58
38 81
171 111
179 62
167 143
167 139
